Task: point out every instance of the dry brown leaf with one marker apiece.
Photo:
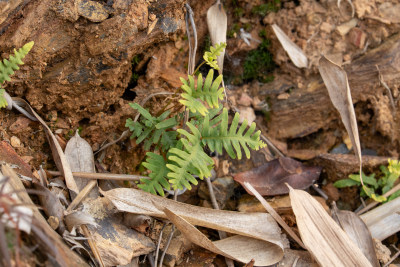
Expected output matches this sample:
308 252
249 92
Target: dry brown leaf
324 239
335 79
384 220
56 150
295 53
255 225
217 26
270 178
237 247
79 155
358 232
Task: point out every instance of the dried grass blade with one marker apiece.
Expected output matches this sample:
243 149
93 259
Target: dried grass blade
324 239
217 22
295 53
335 79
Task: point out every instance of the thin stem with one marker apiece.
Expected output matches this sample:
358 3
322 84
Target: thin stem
103 176
159 243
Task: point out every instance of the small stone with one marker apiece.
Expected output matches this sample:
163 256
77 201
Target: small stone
92 10
382 252
246 113
357 37
15 142
245 100
327 27
27 159
283 96
152 17
344 28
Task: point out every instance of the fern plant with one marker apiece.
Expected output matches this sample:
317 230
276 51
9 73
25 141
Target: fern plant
183 158
8 67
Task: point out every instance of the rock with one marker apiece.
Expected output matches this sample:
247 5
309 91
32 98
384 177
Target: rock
246 113
66 9
20 125
357 37
382 252
223 190
344 28
92 10
327 27
15 142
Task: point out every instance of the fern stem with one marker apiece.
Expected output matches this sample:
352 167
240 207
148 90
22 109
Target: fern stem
198 67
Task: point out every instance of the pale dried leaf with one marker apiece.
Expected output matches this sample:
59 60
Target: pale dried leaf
256 225
237 247
295 53
384 220
217 26
324 239
335 79
78 218
358 232
80 158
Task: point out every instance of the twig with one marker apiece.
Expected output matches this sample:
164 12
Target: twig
170 235
159 243
222 234
386 87
103 176
92 245
274 214
320 192
392 259
84 192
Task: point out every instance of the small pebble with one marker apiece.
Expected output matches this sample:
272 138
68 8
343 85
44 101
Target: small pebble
15 142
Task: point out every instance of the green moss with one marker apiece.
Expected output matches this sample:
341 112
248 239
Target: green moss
235 29
238 12
264 9
258 64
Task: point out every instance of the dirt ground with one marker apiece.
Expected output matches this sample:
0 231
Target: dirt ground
82 74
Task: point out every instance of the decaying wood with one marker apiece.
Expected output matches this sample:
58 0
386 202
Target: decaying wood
312 100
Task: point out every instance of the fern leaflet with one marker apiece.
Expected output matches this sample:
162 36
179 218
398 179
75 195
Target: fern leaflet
7 67
210 57
157 165
209 92
152 129
233 139
189 161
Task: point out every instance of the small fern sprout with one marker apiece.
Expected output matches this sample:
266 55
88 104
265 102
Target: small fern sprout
8 67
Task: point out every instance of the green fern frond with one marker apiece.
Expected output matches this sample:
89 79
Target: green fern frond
157 165
7 67
189 161
209 92
211 57
232 139
3 101
152 130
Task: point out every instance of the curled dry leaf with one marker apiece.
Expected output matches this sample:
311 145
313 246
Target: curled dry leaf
384 220
254 226
335 79
324 239
217 26
270 178
295 53
358 232
78 218
237 247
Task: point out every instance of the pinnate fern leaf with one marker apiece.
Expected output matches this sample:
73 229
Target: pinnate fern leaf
188 161
7 67
233 139
210 57
3 101
208 92
157 165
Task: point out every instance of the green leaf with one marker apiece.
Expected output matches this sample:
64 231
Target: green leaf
394 166
234 140
211 56
370 193
7 67
157 165
370 180
142 111
391 179
394 195
3 101
346 183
